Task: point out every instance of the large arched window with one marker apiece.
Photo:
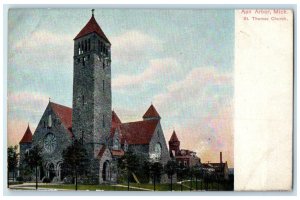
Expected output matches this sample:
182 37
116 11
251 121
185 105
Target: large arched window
157 150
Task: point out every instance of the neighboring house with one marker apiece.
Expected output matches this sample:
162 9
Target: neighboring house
185 157
92 120
220 169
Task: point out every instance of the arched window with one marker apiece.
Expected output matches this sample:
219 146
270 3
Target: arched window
81 44
103 86
116 144
49 121
82 137
157 150
83 61
79 49
103 121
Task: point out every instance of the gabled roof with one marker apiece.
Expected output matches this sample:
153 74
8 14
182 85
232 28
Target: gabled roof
139 132
115 120
92 27
101 152
64 113
174 137
151 113
27 137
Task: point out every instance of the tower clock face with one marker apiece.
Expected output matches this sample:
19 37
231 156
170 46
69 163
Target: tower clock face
49 143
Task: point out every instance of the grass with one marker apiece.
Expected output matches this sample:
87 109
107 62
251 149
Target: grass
148 186
88 187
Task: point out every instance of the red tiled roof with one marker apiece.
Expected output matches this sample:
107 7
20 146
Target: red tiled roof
115 120
174 137
139 132
101 152
151 113
27 137
92 27
117 152
65 115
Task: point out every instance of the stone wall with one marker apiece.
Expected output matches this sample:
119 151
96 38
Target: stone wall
61 133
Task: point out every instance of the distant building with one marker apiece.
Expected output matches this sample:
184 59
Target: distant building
220 169
185 157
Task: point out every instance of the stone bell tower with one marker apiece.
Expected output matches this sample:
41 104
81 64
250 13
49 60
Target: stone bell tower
91 117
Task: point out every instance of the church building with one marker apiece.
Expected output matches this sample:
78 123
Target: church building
91 119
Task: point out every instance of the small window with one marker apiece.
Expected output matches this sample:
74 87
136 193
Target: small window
103 85
79 49
185 163
81 44
89 44
82 100
44 124
103 121
103 65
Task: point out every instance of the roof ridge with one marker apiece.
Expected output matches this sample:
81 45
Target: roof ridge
27 137
151 113
92 27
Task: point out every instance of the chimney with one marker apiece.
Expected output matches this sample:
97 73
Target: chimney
221 157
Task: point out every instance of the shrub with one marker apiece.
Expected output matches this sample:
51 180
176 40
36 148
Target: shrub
19 178
68 180
46 180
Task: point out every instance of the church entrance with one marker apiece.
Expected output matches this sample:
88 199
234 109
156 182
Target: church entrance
51 171
105 171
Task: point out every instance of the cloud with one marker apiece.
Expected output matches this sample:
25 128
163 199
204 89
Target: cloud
16 129
26 102
195 90
199 107
42 49
158 69
133 45
23 108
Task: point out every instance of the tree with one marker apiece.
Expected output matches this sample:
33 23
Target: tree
33 159
75 159
156 169
182 172
129 163
12 161
170 169
198 173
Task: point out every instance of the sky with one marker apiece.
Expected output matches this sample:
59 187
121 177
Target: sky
180 60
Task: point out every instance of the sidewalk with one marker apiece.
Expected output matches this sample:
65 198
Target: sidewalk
31 186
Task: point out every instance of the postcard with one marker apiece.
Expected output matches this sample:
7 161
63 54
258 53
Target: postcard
182 100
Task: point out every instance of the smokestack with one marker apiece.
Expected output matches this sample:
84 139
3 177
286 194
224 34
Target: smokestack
221 157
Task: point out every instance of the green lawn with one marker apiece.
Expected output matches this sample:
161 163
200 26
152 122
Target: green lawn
158 187
88 187
135 187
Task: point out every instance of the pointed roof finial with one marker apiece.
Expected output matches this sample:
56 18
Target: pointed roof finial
49 99
93 12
